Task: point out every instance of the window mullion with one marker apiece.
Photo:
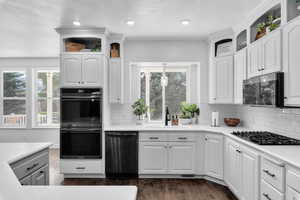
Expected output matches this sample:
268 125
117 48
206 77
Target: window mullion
163 97
147 92
49 97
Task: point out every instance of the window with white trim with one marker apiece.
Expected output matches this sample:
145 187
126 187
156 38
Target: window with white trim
46 98
13 99
163 87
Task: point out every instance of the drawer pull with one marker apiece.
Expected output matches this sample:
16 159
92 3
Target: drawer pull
182 138
153 138
33 166
268 173
267 196
80 168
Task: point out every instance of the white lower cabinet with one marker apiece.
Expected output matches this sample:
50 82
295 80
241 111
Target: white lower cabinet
242 170
182 158
213 158
153 158
167 154
292 194
269 193
78 166
292 183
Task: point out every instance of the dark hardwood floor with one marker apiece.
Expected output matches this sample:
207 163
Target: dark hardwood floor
151 189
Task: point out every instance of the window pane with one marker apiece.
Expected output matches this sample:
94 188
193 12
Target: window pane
56 83
175 91
55 116
42 111
143 85
156 96
42 84
14 84
14 113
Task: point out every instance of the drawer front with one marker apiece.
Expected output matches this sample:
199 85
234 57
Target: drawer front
292 194
293 178
81 167
152 137
268 192
28 165
182 137
273 174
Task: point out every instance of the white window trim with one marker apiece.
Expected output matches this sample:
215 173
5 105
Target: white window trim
34 99
159 65
2 98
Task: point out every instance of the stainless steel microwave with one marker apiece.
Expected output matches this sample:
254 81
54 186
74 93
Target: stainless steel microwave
266 90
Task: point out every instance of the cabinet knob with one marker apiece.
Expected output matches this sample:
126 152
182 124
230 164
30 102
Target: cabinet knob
82 82
78 82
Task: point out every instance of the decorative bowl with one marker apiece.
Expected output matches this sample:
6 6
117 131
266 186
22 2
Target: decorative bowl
232 121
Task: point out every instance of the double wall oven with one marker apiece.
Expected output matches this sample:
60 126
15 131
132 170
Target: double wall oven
81 123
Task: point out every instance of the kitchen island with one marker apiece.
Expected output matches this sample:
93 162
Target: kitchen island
11 188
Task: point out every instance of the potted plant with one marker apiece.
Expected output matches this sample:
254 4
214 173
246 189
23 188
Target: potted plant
272 23
140 109
190 112
261 30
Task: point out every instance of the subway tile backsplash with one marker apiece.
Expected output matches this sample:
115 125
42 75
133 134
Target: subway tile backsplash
282 121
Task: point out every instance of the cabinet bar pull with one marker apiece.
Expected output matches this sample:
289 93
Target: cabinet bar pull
238 151
153 138
33 166
267 196
270 174
182 138
80 167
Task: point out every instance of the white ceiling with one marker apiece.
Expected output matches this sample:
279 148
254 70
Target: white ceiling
30 23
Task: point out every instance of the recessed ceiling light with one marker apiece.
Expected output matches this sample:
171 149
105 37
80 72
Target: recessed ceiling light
76 23
185 22
130 22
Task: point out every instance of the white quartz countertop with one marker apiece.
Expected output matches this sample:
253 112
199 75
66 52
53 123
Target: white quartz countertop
288 154
11 189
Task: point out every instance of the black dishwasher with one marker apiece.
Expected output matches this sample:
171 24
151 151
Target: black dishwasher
121 154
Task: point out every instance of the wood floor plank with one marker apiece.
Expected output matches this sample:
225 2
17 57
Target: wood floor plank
151 189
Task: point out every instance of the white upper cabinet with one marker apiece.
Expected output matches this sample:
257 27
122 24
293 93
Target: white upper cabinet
116 74
254 60
92 66
82 56
264 55
213 162
291 60
223 79
182 158
81 70
240 66
115 80
271 51
71 70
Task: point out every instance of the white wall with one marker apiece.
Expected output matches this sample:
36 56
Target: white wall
29 134
167 51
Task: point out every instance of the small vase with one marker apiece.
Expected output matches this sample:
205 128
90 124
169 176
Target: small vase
185 121
140 120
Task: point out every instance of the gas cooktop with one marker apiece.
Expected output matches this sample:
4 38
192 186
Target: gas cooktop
266 138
